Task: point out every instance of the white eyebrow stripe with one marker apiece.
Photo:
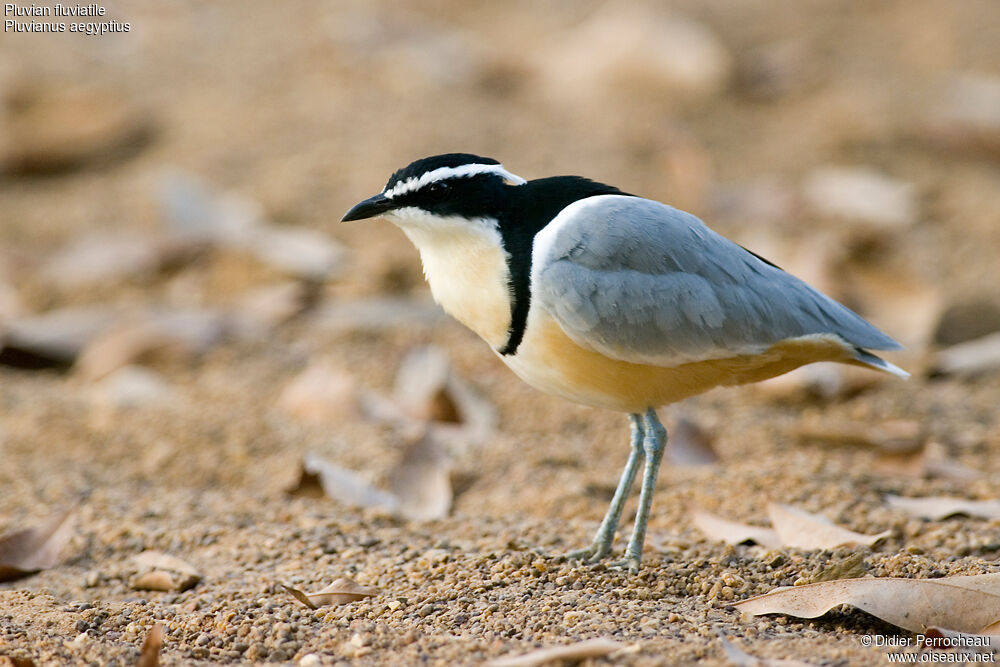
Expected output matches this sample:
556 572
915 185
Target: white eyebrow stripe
441 173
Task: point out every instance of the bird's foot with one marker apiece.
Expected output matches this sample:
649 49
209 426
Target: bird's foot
630 563
591 554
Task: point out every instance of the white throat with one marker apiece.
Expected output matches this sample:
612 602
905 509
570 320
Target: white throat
466 266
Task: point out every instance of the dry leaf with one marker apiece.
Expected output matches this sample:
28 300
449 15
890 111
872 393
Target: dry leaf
965 604
851 567
53 339
591 648
342 485
899 435
932 461
341 591
741 658
163 572
421 482
977 356
803 530
150 656
427 390
731 532
941 507
690 445
32 549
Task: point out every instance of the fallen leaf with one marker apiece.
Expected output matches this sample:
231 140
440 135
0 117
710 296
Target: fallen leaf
932 461
968 318
422 481
55 338
965 604
941 507
195 211
163 333
851 567
163 572
30 550
106 258
803 530
342 485
898 435
974 357
741 658
427 389
341 591
732 532
690 445
150 655
591 648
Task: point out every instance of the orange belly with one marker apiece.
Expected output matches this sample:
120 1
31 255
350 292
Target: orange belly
551 362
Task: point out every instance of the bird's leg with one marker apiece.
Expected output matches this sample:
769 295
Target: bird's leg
606 532
653 445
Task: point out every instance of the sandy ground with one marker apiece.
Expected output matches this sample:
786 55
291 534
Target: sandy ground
306 108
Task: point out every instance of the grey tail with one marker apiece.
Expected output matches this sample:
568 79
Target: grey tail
868 359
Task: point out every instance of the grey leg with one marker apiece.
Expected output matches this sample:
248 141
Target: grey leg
606 533
653 444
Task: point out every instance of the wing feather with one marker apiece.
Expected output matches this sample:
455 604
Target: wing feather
642 281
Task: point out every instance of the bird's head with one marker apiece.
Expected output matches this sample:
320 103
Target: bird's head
442 189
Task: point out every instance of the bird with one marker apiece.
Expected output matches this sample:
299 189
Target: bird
610 300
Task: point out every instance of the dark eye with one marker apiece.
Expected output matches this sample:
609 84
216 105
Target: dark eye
436 191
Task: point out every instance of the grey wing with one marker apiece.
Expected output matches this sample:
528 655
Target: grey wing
644 282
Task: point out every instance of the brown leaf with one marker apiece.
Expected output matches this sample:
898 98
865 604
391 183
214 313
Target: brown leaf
341 591
55 338
15 661
591 648
974 357
941 507
731 532
803 530
171 334
932 461
342 485
427 390
690 445
32 549
899 435
422 481
150 656
851 567
965 604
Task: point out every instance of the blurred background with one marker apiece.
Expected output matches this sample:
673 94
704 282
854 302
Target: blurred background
181 311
